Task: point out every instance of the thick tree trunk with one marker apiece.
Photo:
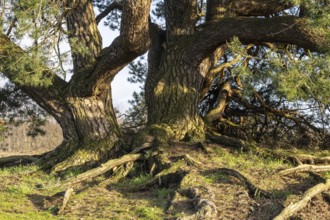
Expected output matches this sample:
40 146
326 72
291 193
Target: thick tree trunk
90 132
172 94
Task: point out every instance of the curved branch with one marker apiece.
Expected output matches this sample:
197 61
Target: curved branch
47 92
132 42
257 7
286 29
113 6
218 8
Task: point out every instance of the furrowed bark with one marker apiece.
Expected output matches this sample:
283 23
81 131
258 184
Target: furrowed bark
254 30
85 38
219 8
172 86
113 6
125 48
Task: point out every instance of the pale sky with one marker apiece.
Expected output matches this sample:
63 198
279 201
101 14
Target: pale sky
122 90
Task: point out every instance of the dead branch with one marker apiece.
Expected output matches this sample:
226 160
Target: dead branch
291 157
308 195
103 168
306 168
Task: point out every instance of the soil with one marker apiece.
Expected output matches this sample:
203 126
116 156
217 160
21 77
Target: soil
102 199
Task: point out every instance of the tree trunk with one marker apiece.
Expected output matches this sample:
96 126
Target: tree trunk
172 94
90 132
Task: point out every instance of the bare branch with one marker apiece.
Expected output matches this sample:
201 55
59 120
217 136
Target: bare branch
113 6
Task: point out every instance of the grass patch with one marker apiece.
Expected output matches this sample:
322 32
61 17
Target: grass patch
147 213
135 181
246 161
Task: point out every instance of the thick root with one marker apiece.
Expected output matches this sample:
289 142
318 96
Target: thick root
166 177
305 168
103 168
289 156
17 160
293 208
253 190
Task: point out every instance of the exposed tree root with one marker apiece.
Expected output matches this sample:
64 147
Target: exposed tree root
225 140
103 168
253 190
17 160
166 177
66 198
293 208
58 201
289 156
305 168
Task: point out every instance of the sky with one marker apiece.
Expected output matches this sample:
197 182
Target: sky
122 90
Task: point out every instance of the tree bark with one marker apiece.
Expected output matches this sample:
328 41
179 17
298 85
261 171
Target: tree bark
179 57
82 106
172 98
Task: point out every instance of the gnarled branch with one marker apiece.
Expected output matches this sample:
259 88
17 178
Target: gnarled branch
286 29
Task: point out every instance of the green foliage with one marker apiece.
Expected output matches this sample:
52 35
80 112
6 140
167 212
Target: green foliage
136 115
307 79
37 27
285 95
